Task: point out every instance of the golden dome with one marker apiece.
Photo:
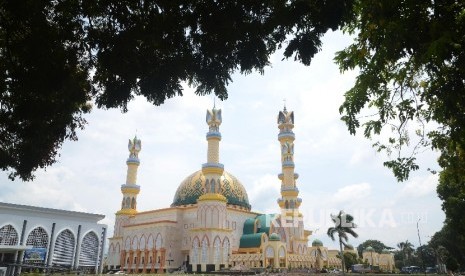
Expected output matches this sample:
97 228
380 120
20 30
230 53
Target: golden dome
192 188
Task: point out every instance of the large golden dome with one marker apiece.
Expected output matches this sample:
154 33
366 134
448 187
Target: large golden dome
192 188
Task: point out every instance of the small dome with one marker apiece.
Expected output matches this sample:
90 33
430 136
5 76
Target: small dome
369 249
274 237
192 188
349 246
385 251
317 242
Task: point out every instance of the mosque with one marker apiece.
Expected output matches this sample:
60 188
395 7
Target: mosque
210 224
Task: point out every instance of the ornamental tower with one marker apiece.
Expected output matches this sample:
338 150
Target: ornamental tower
130 190
213 169
289 192
211 205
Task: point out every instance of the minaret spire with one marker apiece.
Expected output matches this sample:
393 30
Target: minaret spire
130 190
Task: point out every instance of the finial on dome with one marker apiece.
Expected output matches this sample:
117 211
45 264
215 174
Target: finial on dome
134 147
284 110
214 119
285 117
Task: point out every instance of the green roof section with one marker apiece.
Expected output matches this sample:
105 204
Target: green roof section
274 237
317 242
249 226
251 240
265 223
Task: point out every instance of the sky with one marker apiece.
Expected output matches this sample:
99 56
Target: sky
337 171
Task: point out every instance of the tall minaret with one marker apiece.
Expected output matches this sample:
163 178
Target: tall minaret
130 190
289 192
213 169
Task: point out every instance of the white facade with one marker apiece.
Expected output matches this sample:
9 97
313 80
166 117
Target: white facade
42 237
210 224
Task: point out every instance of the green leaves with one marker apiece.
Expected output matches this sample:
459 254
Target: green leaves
50 50
411 73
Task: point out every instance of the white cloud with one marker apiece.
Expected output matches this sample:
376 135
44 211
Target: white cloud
90 171
264 194
420 186
352 193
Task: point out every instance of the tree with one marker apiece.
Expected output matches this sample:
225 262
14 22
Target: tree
407 80
412 65
427 255
378 246
449 246
406 248
56 57
343 226
350 259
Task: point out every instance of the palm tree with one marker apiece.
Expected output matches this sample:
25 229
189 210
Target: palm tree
406 248
401 246
343 225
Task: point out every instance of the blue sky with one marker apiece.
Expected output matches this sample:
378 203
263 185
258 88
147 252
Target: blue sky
337 171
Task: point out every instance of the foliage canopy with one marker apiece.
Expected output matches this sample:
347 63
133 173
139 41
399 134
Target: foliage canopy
56 57
412 70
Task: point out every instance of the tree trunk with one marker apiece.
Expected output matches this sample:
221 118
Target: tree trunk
342 257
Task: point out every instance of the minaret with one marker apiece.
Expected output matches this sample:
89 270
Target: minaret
130 190
212 198
289 192
213 169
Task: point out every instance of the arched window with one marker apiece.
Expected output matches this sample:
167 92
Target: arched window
133 203
158 241
38 238
217 250
204 250
128 202
269 252
207 186
64 249
127 244
89 250
225 250
8 235
150 242
195 251
142 243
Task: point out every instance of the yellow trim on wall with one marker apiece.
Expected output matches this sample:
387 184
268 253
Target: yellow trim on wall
130 190
212 170
289 193
249 250
210 229
212 197
126 212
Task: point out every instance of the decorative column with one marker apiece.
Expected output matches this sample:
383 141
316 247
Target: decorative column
154 260
138 260
162 261
123 260
131 261
146 259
